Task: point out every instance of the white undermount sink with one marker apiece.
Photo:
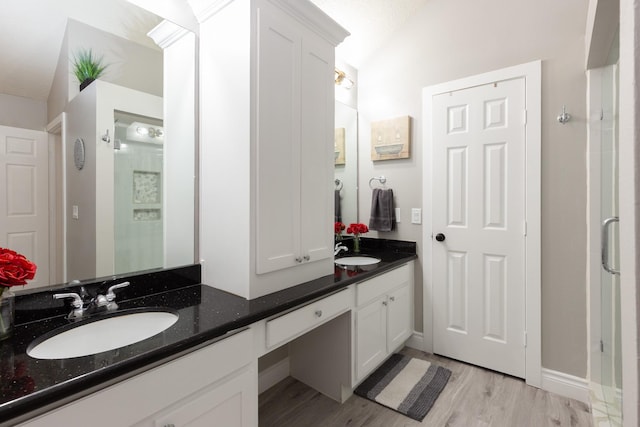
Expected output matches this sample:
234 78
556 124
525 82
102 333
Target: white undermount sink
103 335
357 260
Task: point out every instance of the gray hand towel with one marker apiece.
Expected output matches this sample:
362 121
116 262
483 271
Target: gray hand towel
383 214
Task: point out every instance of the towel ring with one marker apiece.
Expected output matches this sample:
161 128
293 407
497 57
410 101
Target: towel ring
380 178
338 184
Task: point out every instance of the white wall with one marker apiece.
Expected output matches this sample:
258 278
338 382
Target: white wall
81 188
19 112
451 39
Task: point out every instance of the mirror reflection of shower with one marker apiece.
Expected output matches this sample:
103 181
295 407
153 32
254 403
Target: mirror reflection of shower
138 157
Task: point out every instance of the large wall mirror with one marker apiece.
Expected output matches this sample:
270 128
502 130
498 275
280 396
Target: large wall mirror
346 163
129 205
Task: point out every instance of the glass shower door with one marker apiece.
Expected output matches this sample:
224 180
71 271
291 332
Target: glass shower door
138 194
610 341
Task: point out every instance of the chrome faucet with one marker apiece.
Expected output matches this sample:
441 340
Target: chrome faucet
338 248
106 302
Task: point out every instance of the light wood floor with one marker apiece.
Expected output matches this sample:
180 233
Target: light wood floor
472 397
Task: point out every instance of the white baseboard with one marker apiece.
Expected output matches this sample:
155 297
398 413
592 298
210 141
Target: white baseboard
565 385
416 340
272 375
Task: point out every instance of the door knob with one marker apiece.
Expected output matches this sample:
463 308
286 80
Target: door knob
440 237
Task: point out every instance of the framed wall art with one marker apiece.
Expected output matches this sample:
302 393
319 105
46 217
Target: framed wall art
390 139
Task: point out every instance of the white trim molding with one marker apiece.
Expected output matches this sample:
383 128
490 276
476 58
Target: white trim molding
272 375
416 340
566 385
532 73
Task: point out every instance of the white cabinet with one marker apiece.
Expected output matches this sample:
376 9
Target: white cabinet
213 386
383 318
267 106
293 140
226 405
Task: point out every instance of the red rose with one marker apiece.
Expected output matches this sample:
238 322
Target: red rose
357 229
338 227
15 269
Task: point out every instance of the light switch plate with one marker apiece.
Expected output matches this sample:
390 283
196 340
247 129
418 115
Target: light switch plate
416 216
74 212
397 215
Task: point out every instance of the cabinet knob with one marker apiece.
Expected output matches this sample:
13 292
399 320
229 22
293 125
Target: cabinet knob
306 257
392 298
298 260
384 303
318 313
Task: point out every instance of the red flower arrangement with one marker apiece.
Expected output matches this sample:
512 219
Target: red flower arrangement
357 229
15 269
337 229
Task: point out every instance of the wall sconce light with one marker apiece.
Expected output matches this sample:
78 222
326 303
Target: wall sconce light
342 79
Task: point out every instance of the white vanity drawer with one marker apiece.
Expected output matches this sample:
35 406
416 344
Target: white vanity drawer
286 327
380 285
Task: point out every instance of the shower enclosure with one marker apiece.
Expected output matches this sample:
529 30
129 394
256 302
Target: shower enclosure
138 190
605 324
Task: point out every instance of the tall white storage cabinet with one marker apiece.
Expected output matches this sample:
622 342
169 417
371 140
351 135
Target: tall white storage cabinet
267 119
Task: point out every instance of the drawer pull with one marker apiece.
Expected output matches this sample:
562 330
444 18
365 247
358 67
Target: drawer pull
306 257
318 313
384 303
170 425
298 260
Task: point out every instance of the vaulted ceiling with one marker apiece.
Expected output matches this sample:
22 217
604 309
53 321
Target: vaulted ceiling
31 33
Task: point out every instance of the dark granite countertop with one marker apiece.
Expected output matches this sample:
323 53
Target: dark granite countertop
29 385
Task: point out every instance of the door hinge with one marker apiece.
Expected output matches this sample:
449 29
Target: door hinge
601 346
525 338
525 228
525 116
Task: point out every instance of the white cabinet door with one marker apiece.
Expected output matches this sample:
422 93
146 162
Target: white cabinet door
230 404
277 142
219 381
371 336
399 319
317 126
294 134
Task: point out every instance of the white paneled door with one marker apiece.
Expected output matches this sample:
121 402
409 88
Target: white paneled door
24 194
479 225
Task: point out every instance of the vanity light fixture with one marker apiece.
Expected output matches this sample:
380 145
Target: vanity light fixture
150 132
342 79
145 132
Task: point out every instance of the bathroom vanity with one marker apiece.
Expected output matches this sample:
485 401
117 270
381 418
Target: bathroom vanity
338 328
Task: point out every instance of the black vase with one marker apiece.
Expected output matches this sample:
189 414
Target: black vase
85 83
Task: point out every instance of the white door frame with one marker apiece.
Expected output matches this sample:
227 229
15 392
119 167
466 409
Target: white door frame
57 201
532 73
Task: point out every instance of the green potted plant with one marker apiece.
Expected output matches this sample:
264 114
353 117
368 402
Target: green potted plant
87 67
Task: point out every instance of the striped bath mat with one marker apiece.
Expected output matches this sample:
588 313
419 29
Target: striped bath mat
406 385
